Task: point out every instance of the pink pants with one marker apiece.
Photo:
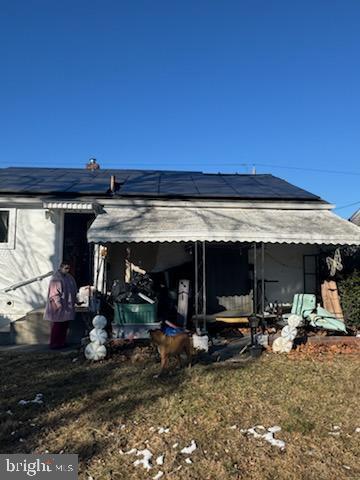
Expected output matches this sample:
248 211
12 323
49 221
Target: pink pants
58 334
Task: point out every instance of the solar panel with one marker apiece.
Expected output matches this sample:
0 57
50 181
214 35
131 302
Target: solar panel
148 182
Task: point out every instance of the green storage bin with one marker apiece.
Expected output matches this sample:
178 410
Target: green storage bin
131 313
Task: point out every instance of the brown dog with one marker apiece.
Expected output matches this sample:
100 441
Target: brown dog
175 345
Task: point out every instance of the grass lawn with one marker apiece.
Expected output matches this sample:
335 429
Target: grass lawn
102 410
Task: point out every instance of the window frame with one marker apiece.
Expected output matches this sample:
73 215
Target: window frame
10 244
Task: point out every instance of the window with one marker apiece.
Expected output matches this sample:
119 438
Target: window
7 228
311 273
4 226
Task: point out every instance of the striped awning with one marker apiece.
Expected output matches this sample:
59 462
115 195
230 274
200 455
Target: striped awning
221 224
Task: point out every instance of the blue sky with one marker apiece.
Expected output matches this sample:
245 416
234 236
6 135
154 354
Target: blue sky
191 84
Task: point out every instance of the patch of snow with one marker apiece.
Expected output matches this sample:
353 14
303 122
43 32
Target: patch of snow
335 434
347 467
38 399
188 460
259 431
123 426
336 427
175 445
21 440
145 461
233 427
357 430
190 449
160 460
75 359
131 452
163 430
9 412
269 437
274 429
158 475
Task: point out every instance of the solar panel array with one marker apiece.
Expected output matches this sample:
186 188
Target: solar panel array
149 183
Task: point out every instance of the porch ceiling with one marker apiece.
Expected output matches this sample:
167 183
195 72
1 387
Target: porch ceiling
221 224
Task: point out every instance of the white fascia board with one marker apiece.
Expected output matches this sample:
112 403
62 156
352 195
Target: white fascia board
38 202
13 201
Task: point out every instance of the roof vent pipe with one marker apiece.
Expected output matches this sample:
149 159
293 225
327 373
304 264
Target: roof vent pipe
112 183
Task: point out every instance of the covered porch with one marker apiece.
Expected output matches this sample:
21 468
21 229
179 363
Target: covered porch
239 259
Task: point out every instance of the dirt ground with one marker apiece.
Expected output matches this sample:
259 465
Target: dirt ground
103 410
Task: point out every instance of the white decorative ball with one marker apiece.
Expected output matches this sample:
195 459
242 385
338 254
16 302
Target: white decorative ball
289 333
294 321
98 335
94 351
99 321
282 345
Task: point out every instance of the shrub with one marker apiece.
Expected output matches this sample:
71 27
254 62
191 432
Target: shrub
349 289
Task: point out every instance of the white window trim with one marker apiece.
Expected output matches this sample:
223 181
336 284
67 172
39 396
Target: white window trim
10 244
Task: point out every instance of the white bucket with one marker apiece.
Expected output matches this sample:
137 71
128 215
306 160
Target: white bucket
200 342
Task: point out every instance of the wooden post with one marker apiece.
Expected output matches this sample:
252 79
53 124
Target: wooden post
183 300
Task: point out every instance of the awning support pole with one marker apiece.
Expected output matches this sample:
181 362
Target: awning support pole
200 284
262 279
255 280
204 284
196 261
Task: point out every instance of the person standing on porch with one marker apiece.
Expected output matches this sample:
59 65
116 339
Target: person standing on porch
60 306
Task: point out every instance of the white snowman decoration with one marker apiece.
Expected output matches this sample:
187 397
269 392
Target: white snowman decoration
285 342
96 349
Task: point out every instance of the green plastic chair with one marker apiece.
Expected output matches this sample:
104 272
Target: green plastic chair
303 304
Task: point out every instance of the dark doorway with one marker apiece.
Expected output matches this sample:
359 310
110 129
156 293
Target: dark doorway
227 277
76 248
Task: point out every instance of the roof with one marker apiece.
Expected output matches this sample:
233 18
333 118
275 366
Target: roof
229 224
148 183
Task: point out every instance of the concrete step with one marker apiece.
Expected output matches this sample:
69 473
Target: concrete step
34 330
31 329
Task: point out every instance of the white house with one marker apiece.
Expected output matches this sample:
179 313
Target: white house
235 234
